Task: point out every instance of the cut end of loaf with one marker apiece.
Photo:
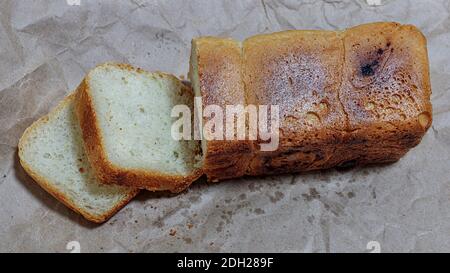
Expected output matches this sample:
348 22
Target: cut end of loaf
215 73
193 76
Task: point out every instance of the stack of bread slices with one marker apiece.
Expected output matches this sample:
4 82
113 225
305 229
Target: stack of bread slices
353 97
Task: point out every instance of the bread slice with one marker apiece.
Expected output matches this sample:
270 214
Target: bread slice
51 152
125 117
218 61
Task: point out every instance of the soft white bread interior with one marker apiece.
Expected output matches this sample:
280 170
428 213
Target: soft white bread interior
51 152
125 116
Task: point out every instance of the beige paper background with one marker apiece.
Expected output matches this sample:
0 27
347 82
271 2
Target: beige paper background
47 46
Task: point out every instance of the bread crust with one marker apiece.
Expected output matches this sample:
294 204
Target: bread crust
379 64
107 172
385 91
47 186
353 97
300 72
220 83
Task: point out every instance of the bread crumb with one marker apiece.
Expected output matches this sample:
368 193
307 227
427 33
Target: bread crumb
172 232
189 225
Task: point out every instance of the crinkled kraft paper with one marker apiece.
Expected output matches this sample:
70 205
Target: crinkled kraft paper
47 46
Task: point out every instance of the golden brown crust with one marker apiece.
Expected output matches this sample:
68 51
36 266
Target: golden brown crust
220 83
385 91
382 84
47 186
299 71
107 172
360 96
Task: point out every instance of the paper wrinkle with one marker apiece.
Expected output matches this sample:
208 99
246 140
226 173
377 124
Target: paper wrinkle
47 47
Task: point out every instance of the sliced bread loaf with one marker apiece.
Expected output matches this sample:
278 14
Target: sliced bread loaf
51 152
353 97
125 117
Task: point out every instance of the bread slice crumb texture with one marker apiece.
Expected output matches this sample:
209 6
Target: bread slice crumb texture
133 113
51 151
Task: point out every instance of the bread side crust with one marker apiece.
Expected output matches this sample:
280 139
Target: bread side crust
220 83
357 140
300 71
108 172
399 51
47 185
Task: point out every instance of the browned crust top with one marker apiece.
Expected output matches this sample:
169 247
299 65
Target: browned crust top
367 84
220 83
300 71
386 77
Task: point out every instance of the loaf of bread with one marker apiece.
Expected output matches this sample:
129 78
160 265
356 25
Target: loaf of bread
353 97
